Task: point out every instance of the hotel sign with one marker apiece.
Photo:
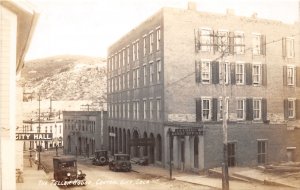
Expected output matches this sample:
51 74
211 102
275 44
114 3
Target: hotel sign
34 136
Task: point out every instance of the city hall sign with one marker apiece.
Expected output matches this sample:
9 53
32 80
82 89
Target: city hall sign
34 136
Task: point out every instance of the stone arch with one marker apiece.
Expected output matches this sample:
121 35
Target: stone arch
145 148
151 150
159 148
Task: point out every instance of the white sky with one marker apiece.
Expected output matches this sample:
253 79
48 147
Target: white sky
89 27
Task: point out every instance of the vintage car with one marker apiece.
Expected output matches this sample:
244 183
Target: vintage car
101 158
65 171
120 162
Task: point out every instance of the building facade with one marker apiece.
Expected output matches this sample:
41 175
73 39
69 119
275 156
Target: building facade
84 132
17 23
49 126
167 73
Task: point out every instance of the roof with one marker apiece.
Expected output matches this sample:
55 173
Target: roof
27 19
65 158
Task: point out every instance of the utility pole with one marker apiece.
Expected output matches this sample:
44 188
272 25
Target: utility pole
225 176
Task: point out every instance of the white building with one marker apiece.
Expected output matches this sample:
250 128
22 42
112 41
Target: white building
17 22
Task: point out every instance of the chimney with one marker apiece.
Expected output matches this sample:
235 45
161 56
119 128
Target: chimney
192 6
230 12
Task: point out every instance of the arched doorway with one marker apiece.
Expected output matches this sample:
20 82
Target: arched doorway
124 141
151 150
136 152
145 148
159 148
196 152
128 139
120 140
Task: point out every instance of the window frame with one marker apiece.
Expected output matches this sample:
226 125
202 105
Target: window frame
206 39
259 75
158 38
256 40
151 42
292 77
290 47
239 63
239 45
262 143
205 80
259 109
293 109
243 110
206 110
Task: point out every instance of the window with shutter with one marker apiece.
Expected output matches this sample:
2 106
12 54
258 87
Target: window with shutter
205 71
215 72
206 109
240 109
291 108
290 48
239 42
291 74
256 73
227 72
223 41
249 107
256 44
206 39
257 109
221 108
239 73
198 110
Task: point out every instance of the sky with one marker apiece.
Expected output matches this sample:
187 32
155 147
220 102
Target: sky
89 27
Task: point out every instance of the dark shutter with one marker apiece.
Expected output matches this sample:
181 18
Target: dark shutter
297 76
215 41
249 109
198 71
298 109
214 109
285 109
215 72
248 68
284 47
197 40
198 110
232 73
284 75
264 75
263 44
264 109
231 43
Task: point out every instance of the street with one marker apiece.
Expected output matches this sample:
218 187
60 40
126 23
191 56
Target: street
100 177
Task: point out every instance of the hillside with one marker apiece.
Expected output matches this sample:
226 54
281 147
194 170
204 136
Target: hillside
65 78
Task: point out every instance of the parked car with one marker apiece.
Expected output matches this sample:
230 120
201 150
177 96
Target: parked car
66 172
120 162
101 158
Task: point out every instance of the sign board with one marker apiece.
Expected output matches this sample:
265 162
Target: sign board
188 131
34 136
142 142
112 134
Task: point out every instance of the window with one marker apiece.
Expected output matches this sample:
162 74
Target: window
120 82
223 41
134 110
145 108
288 47
158 71
239 42
206 40
257 109
256 74
291 108
290 75
124 79
158 39
261 151
151 42
240 109
221 108
123 57
137 49
206 109
128 80
124 110
205 71
151 109
128 59
128 110
137 77
120 63
134 78
144 45
151 73
256 44
227 72
240 70
145 74
158 107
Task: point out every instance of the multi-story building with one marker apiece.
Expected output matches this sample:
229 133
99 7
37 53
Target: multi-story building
45 126
84 132
166 73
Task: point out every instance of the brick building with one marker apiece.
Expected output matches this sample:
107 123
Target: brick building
166 73
83 132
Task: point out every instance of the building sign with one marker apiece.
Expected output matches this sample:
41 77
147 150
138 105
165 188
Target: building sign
194 131
34 136
142 142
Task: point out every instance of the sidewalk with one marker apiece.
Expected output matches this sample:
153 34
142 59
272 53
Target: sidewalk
203 180
34 179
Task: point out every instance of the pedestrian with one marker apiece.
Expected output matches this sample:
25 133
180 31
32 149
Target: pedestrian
30 160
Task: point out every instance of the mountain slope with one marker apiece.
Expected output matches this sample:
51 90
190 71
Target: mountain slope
66 78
